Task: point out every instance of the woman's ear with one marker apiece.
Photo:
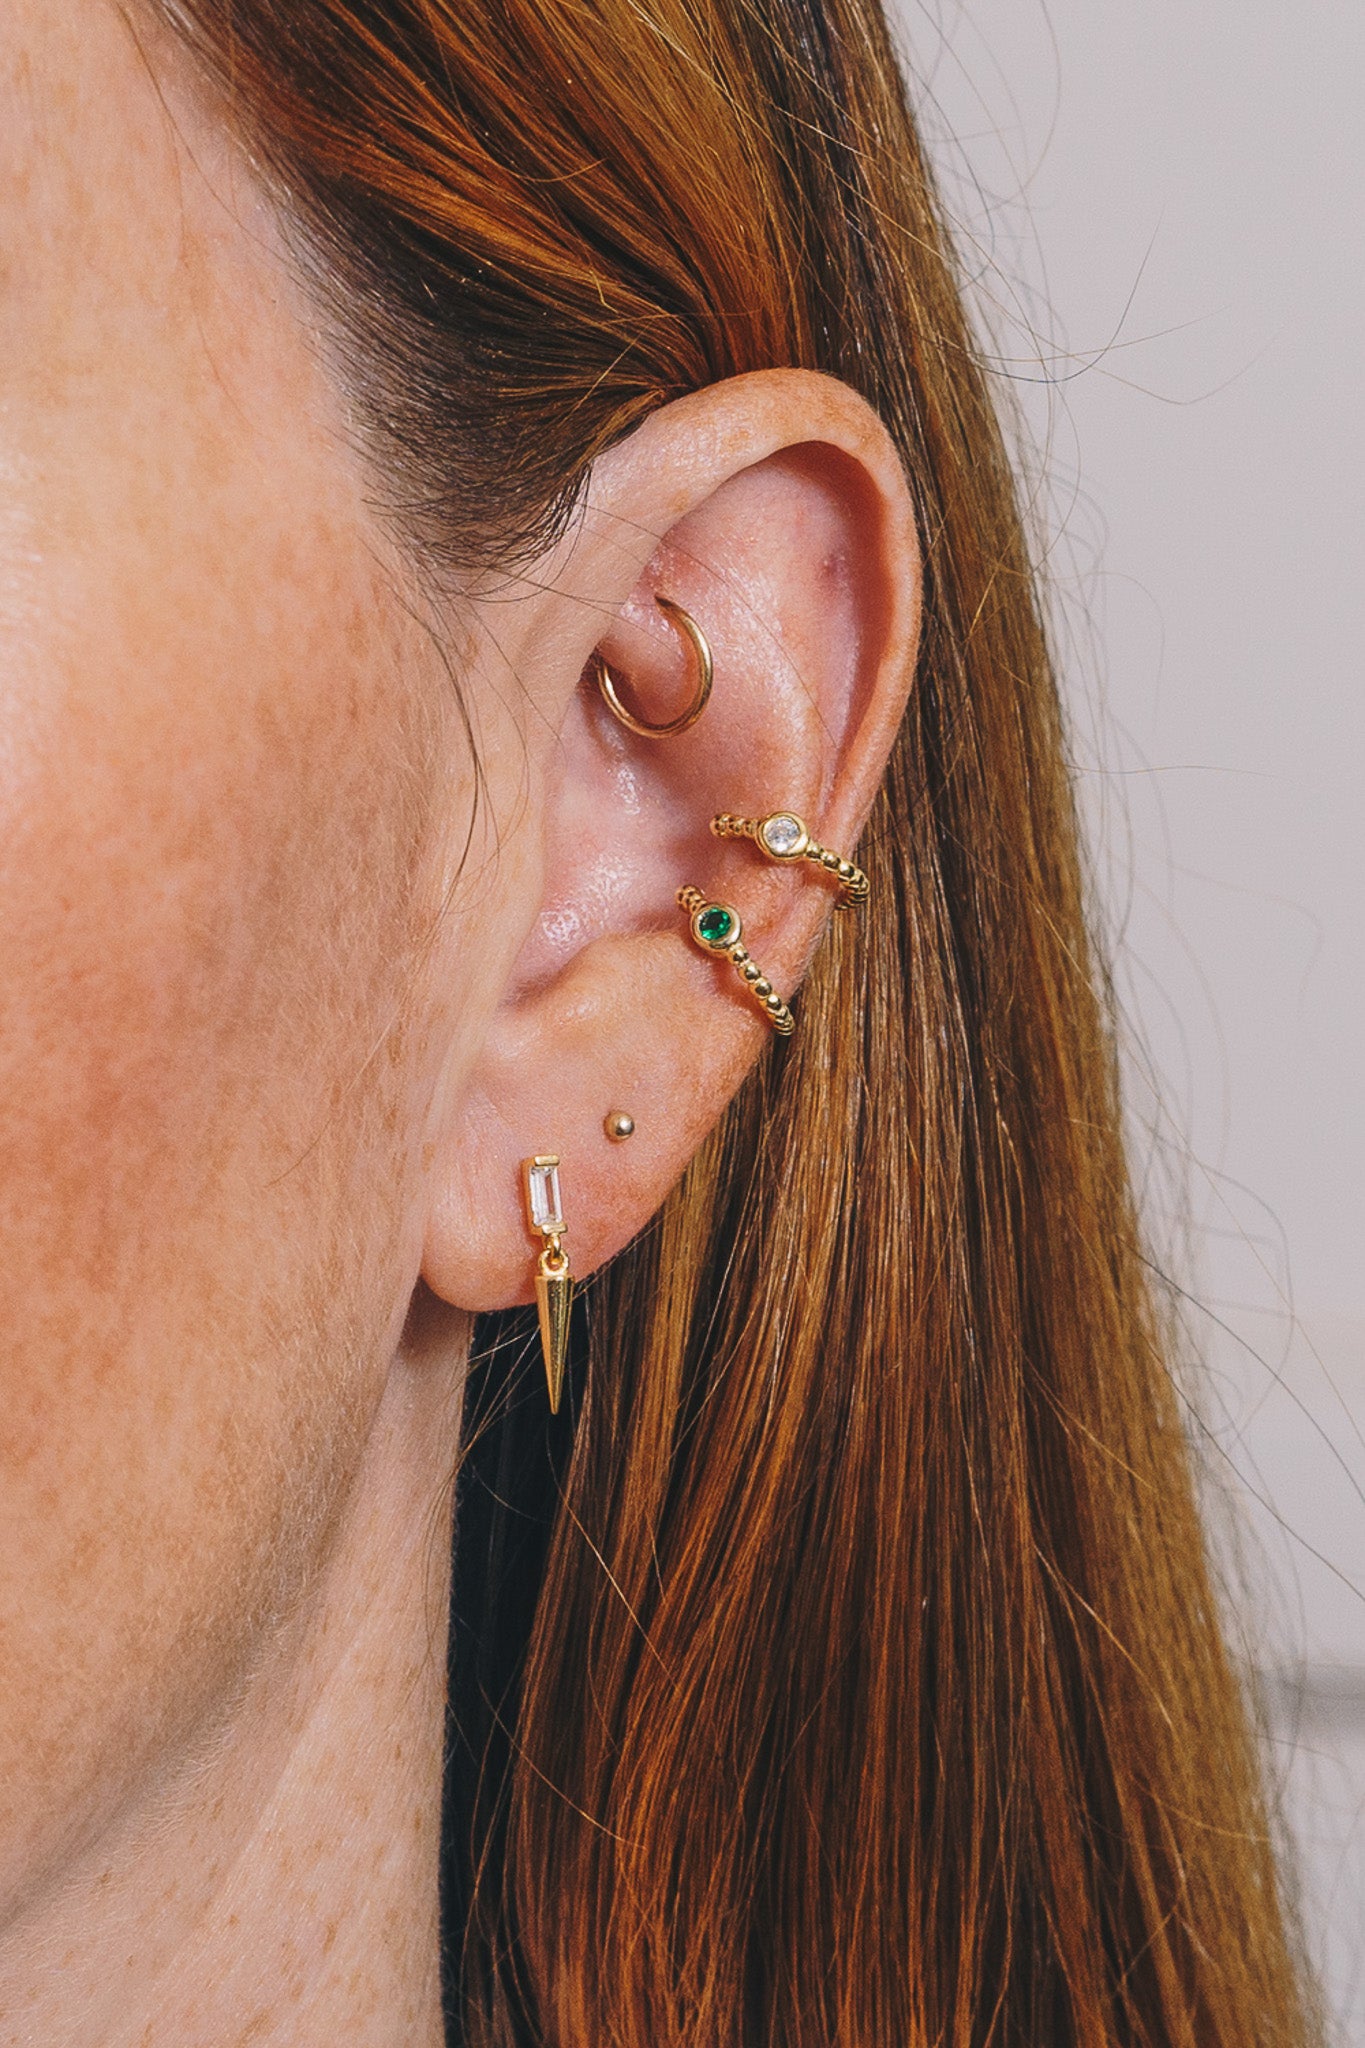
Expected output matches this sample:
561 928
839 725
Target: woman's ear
774 510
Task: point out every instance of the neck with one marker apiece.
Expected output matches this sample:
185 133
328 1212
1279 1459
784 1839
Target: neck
282 1887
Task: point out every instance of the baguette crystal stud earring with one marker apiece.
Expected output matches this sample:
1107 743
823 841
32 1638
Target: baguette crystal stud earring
783 836
554 1281
716 929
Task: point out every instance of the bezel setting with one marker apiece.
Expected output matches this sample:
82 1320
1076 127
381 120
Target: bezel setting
544 1204
732 931
786 829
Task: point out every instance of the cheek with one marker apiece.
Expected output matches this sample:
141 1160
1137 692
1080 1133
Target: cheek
189 994
207 1217
219 742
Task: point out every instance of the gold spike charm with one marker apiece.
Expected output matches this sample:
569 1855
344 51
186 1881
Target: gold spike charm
554 1281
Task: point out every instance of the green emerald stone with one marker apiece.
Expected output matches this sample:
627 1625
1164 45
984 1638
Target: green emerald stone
716 924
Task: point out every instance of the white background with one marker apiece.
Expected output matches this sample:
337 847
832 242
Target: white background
1163 212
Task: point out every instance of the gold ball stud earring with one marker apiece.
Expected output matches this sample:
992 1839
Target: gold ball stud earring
782 836
619 1125
701 648
716 929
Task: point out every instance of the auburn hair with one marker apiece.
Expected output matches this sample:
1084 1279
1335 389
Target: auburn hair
847 1669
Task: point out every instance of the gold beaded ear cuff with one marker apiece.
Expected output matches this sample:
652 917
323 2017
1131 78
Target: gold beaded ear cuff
716 929
783 836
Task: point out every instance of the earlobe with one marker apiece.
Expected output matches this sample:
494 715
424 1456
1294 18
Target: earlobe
773 514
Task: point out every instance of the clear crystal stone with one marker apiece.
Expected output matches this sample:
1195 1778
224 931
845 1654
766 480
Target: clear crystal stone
782 834
542 1195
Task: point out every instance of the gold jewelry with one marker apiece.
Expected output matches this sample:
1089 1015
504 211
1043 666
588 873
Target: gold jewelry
716 929
619 1125
783 836
554 1281
701 647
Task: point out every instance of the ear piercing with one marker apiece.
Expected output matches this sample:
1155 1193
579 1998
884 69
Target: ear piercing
783 836
554 1281
716 929
619 1125
701 648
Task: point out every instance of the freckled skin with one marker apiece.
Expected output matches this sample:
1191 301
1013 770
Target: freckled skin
220 866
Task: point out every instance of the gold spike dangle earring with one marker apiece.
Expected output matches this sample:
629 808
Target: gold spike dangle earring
554 1281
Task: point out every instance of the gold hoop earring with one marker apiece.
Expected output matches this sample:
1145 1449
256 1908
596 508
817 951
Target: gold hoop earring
783 836
554 1281
716 929
701 647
